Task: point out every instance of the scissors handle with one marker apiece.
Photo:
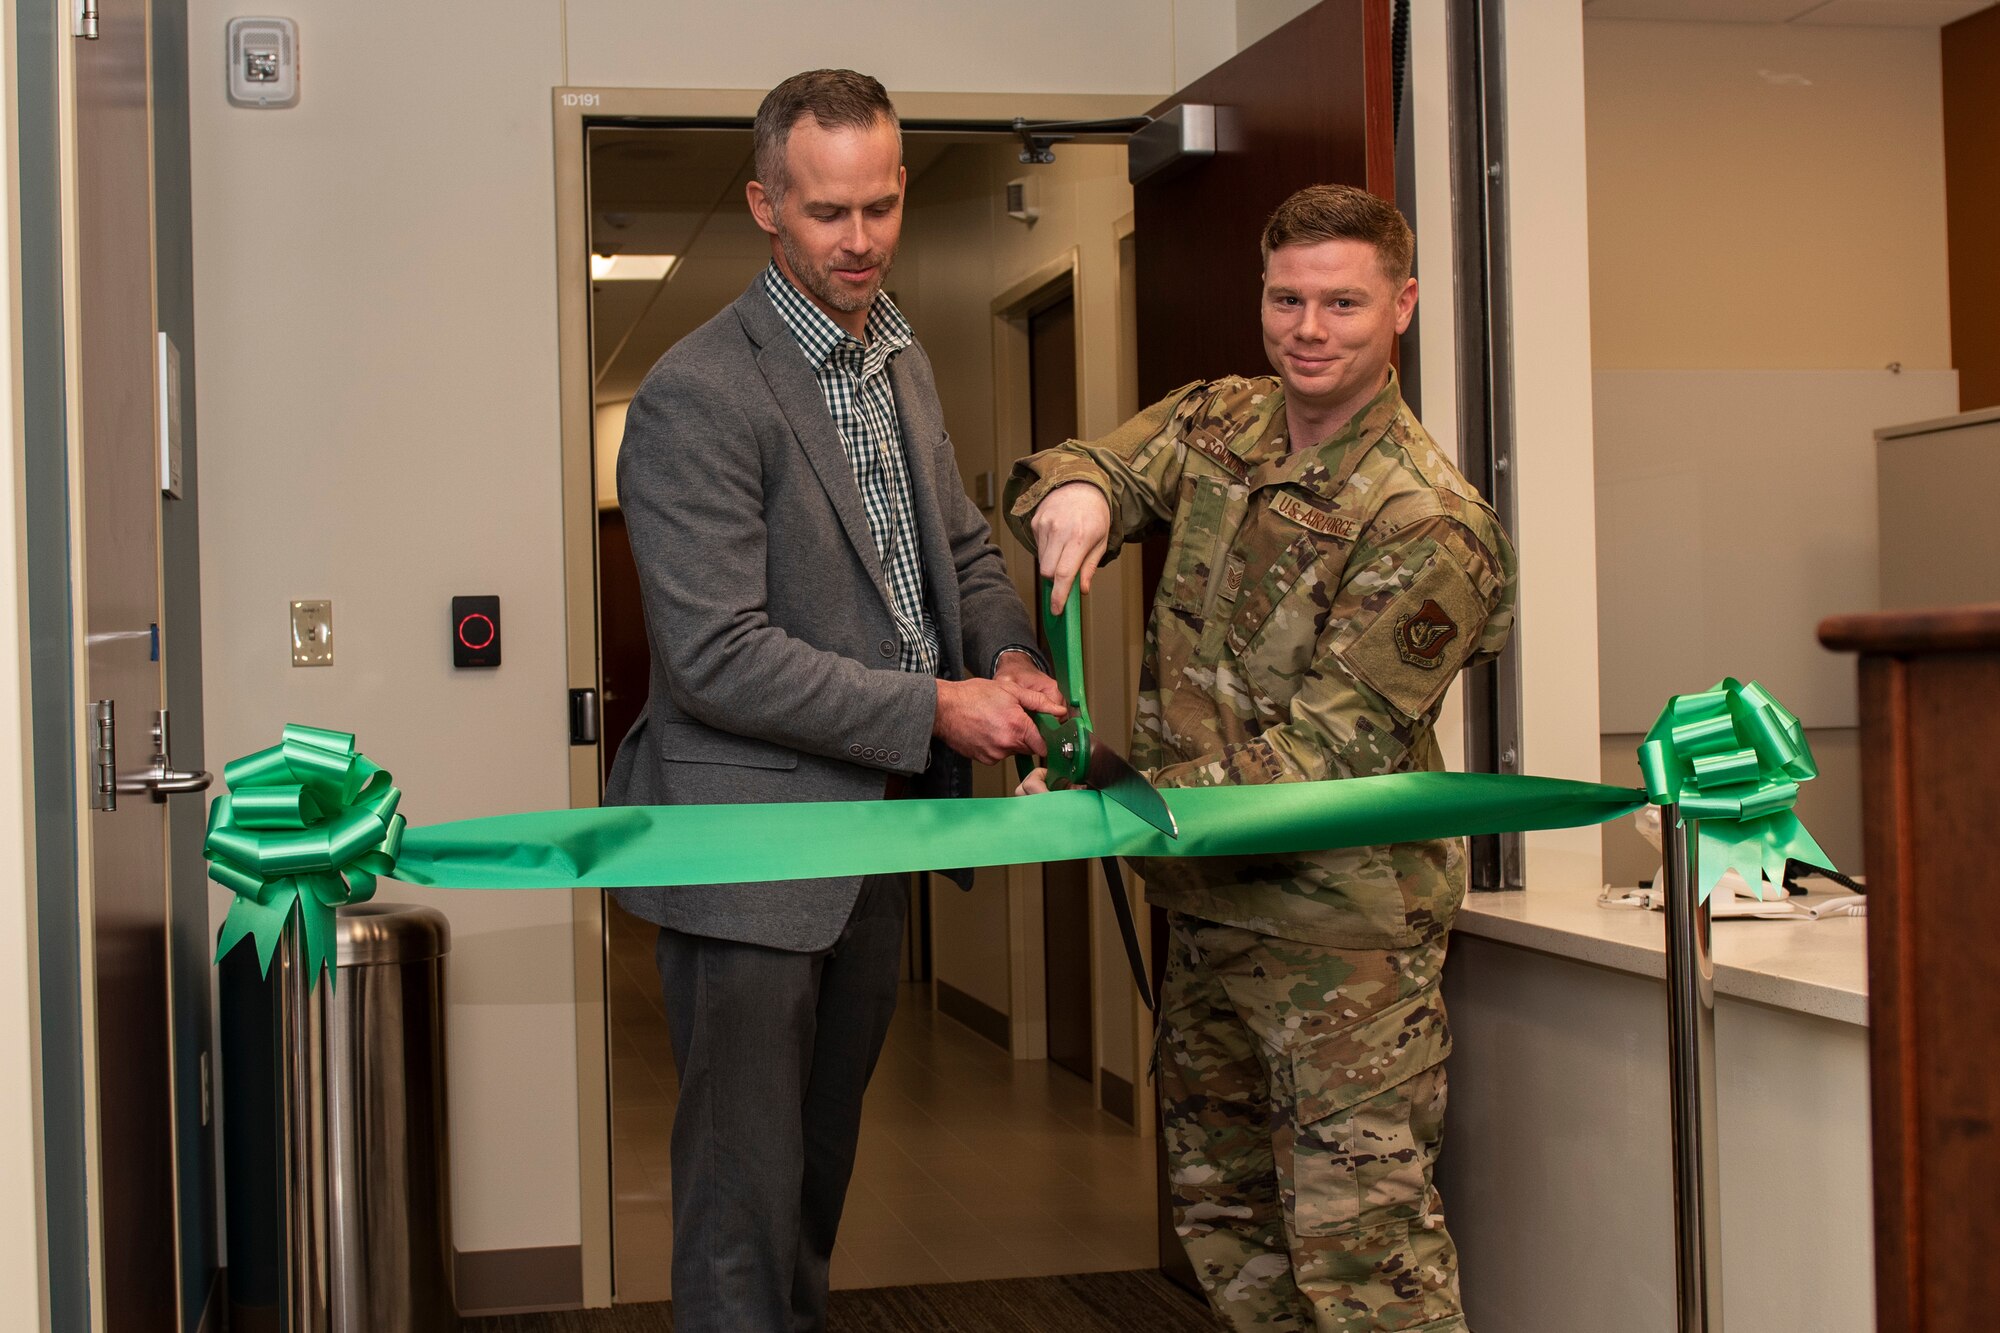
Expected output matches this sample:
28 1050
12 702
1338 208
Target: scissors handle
1068 740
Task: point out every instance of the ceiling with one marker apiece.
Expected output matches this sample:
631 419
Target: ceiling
1813 13
677 191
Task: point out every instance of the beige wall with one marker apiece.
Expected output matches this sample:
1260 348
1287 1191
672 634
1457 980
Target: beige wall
375 275
1028 46
1259 18
1770 198
1568 1228
23 1271
1554 530
1766 196
377 344
608 433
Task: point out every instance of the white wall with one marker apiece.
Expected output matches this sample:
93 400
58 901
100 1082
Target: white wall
375 276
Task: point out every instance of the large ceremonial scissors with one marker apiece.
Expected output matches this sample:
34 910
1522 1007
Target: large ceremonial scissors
1078 757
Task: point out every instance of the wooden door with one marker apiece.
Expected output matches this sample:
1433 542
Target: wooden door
112 234
1309 104
1066 989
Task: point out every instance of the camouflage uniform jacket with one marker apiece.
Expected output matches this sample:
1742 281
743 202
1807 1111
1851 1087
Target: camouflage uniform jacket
1313 609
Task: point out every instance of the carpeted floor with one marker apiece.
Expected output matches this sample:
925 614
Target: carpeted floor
1082 1303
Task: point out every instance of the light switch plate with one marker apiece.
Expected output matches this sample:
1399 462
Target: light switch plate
312 633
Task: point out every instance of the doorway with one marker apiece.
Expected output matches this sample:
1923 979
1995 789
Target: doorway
981 1155
1066 979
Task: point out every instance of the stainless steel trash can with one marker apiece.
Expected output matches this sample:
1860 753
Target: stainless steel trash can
389 1218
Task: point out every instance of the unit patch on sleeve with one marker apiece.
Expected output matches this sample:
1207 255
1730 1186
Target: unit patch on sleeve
1416 644
1422 635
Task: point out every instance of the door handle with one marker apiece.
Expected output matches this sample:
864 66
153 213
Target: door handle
161 779
161 783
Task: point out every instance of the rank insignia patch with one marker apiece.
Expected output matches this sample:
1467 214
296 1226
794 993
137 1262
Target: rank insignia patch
1421 636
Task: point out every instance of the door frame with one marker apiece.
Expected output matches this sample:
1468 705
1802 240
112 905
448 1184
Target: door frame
574 111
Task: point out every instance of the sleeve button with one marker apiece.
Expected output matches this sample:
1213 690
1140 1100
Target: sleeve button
895 756
854 749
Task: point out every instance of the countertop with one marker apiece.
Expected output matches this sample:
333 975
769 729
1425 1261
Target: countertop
1812 967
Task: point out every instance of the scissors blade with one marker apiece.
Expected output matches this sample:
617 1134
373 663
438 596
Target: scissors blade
1110 774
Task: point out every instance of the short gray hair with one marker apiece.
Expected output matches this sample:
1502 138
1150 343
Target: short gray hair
834 98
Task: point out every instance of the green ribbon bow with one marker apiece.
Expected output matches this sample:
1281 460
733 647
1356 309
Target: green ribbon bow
307 824
1732 758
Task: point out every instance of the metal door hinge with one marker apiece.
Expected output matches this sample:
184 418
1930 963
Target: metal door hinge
85 12
103 754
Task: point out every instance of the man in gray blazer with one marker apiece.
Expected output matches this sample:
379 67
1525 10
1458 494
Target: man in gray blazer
830 621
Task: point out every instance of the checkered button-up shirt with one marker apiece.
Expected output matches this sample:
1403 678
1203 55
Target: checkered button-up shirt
854 377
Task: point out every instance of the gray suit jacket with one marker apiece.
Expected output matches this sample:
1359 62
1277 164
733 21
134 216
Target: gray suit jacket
774 650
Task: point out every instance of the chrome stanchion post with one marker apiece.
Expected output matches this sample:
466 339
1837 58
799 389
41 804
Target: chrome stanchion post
1691 1076
302 1029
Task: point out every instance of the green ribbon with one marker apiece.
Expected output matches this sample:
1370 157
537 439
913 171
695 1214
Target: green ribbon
630 846
306 826
1732 758
310 823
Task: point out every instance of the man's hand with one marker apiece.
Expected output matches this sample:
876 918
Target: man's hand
1035 784
983 721
1032 688
1072 524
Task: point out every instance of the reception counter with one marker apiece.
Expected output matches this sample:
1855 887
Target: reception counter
1556 1171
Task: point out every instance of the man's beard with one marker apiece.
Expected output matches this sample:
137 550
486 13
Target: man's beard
820 281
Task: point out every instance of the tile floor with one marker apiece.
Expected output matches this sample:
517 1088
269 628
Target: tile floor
971 1165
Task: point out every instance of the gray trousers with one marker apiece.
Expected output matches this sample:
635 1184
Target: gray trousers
774 1050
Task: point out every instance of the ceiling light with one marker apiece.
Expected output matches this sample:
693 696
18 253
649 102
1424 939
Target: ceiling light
630 268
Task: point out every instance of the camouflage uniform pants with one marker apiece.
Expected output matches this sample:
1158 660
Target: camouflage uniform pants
1302 1098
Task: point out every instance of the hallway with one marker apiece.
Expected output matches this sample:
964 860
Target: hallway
972 1165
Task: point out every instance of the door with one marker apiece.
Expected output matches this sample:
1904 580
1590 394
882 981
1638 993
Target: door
125 923
1052 419
1309 104
625 656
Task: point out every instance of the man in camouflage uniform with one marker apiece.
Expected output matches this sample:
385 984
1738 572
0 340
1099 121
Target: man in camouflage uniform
1330 573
